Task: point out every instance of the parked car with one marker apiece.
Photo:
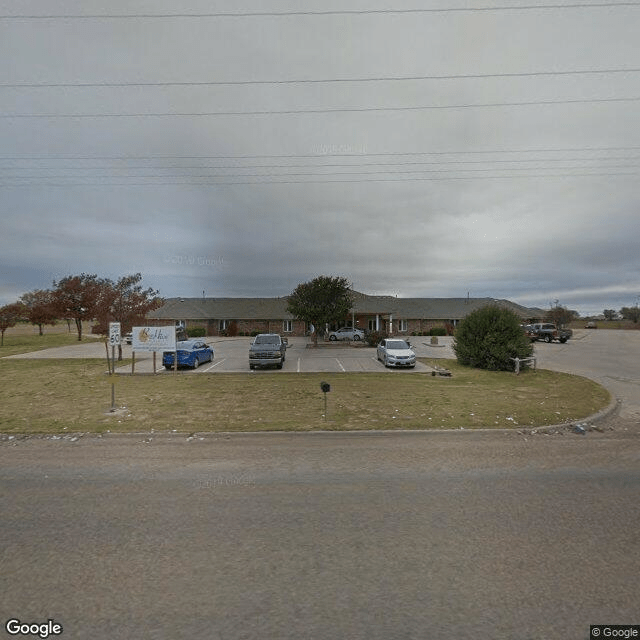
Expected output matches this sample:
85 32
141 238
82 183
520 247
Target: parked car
547 332
267 349
191 353
394 352
128 338
591 325
347 333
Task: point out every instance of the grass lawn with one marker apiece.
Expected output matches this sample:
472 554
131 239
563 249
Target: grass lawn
25 338
62 396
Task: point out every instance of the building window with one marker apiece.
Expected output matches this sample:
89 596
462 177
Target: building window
402 325
287 326
372 324
222 325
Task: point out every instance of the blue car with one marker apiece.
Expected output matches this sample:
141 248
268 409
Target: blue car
190 354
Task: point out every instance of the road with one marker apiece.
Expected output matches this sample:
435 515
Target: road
501 535
437 535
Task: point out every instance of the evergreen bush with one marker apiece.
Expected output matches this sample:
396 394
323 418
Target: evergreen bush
488 337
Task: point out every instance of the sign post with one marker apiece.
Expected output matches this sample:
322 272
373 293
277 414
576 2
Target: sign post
153 339
326 387
114 341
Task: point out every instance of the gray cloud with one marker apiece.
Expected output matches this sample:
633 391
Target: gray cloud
431 197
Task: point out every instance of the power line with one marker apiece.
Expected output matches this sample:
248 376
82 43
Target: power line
312 13
190 178
324 165
334 155
269 112
331 181
469 76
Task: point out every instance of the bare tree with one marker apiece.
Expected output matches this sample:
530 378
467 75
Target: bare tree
630 313
560 315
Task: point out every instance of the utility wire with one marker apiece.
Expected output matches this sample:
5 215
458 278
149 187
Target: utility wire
533 171
469 76
295 174
322 166
335 155
269 112
315 181
312 13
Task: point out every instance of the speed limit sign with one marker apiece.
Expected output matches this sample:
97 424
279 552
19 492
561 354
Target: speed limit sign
114 334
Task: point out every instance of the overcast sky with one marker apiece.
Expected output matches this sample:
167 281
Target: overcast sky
491 151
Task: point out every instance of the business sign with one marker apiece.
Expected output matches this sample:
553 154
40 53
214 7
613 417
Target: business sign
114 334
153 339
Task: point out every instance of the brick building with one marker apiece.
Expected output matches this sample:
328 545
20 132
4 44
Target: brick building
388 314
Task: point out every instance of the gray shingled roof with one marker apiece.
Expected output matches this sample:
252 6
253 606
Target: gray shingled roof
223 309
430 308
276 308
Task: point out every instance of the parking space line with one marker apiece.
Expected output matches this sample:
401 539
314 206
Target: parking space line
213 365
340 364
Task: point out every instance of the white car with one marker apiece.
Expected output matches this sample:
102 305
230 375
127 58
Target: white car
395 352
347 333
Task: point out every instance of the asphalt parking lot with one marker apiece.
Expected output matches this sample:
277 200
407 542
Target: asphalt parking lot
231 355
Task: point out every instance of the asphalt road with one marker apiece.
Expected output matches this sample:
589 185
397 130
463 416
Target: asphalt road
437 535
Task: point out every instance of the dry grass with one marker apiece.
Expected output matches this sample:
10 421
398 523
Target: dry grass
53 396
24 338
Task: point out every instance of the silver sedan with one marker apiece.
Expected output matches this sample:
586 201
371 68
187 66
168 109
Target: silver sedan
394 352
347 333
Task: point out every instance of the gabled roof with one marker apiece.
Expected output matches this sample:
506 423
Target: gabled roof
276 308
430 308
223 309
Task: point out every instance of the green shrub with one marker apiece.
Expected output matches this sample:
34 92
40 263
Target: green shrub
488 337
438 331
196 332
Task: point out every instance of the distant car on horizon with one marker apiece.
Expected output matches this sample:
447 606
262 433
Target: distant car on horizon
191 353
395 352
346 333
